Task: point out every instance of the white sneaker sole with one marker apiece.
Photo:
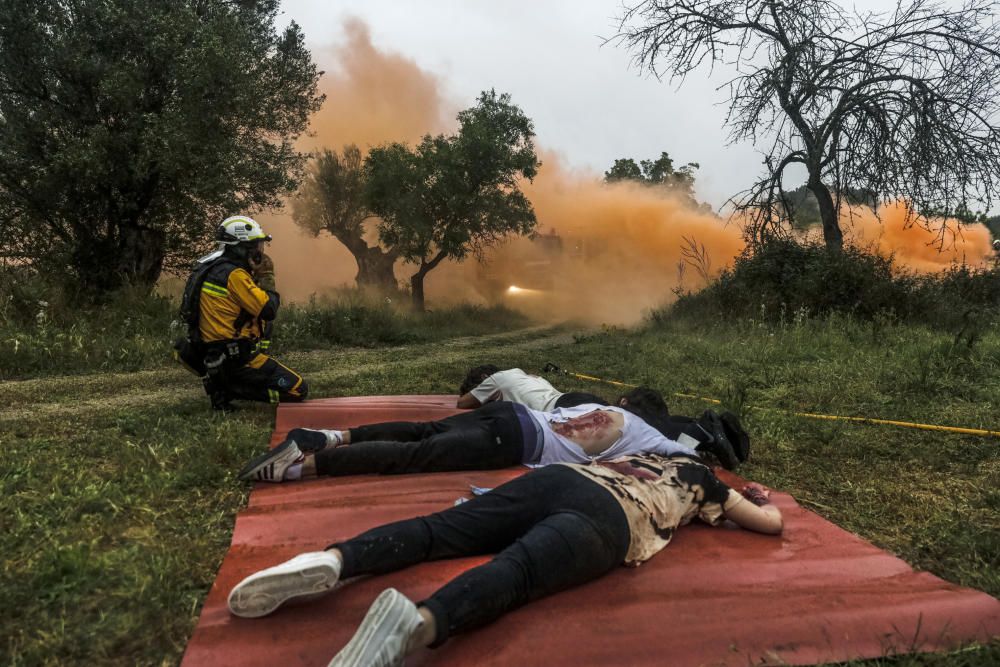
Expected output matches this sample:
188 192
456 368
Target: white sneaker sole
383 619
259 595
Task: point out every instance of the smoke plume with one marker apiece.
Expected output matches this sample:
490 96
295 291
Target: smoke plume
604 252
919 244
372 97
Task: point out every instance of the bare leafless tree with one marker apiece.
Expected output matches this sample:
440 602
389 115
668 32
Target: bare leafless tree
893 105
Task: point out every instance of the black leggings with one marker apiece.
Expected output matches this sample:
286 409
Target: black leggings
483 439
551 529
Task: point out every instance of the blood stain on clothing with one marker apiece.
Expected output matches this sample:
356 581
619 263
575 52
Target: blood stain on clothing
590 425
631 469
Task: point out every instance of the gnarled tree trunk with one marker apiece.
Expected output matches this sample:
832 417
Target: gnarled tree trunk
140 255
375 269
375 266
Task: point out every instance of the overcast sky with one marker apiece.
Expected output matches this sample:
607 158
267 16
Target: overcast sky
586 100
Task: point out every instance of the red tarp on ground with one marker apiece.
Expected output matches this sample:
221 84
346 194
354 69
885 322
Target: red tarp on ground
715 596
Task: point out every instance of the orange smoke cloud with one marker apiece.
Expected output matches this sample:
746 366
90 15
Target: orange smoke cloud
919 244
372 97
619 249
621 243
605 252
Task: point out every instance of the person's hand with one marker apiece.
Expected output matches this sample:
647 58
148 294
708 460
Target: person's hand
262 267
756 493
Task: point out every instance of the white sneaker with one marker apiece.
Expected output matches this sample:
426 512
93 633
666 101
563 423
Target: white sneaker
384 635
271 466
307 576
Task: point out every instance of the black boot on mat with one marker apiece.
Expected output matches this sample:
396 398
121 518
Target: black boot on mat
719 445
738 437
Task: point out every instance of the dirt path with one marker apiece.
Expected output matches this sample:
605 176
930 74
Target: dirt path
79 395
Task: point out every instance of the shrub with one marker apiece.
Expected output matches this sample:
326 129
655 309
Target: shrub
787 277
48 329
352 317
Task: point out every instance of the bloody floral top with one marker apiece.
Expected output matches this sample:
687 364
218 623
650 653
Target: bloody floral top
658 494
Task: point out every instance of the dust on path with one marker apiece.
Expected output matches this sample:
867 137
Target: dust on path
65 397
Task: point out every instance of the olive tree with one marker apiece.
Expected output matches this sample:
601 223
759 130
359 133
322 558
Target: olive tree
331 199
455 195
130 128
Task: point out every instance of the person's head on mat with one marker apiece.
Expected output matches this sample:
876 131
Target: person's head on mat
643 401
551 529
487 383
475 377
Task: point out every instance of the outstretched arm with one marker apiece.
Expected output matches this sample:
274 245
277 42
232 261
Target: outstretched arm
754 510
483 392
468 401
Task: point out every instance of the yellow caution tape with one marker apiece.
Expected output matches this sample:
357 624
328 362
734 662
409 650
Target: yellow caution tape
591 377
813 415
893 422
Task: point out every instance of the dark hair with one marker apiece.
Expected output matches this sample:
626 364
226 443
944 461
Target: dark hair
645 403
476 375
648 405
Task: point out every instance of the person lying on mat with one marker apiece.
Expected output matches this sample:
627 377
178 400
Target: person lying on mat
720 435
487 383
497 435
551 529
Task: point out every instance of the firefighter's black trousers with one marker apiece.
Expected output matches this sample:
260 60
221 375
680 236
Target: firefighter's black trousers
264 379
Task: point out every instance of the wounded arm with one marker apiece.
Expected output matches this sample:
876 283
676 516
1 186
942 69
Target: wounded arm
765 519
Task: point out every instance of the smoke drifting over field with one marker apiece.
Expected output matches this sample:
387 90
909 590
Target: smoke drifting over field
897 230
606 252
371 97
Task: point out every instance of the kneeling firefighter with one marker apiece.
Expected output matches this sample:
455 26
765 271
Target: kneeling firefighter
228 306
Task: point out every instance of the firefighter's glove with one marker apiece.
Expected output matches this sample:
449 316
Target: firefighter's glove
263 272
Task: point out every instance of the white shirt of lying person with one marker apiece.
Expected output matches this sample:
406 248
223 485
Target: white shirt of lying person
516 386
637 437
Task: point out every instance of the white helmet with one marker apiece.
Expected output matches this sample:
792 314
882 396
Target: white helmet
240 229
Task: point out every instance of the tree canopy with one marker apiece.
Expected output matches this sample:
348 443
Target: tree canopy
658 173
130 128
900 104
332 199
455 195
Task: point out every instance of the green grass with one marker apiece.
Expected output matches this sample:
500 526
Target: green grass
118 495
46 332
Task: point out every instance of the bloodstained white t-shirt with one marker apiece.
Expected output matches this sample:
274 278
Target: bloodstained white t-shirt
637 437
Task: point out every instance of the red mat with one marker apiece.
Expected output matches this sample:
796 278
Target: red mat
713 597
